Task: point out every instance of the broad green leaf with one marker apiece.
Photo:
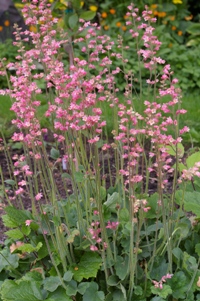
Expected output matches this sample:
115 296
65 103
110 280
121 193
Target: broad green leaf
152 203
113 280
54 153
82 287
92 293
192 159
197 249
192 202
78 176
183 229
124 215
194 29
73 21
88 266
9 222
178 254
21 291
65 175
68 276
87 15
189 263
112 201
164 292
171 150
71 288
51 283
70 238
10 182
8 260
59 295
121 267
159 268
102 193
18 216
15 234
28 248
179 285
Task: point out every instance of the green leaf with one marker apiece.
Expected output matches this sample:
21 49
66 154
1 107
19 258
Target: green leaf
18 216
10 182
88 266
197 249
179 285
152 203
78 176
54 153
164 292
73 21
51 283
68 276
92 293
192 202
112 201
71 288
28 248
192 159
15 234
194 29
123 215
113 280
87 15
70 238
59 295
171 150
9 222
65 175
102 193
21 291
8 260
121 267
82 287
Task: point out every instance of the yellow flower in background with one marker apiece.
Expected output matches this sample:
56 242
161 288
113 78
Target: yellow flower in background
1 28
6 23
93 8
124 28
173 27
33 28
106 27
104 15
19 5
162 14
172 18
118 24
180 33
188 18
64 2
112 11
170 45
154 6
82 3
177 1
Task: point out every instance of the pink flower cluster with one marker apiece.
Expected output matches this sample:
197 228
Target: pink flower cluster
159 284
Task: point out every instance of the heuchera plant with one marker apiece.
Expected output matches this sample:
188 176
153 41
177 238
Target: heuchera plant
103 224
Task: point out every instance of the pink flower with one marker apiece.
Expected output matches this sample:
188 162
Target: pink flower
38 196
93 248
112 225
28 222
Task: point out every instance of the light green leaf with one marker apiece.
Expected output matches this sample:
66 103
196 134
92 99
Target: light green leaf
15 234
21 291
92 293
70 238
192 159
54 153
78 176
179 285
88 266
10 182
197 249
164 292
171 150
121 267
113 280
68 276
9 222
82 287
73 21
28 248
124 215
71 288
18 216
51 283
59 295
87 15
8 260
112 201
192 202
